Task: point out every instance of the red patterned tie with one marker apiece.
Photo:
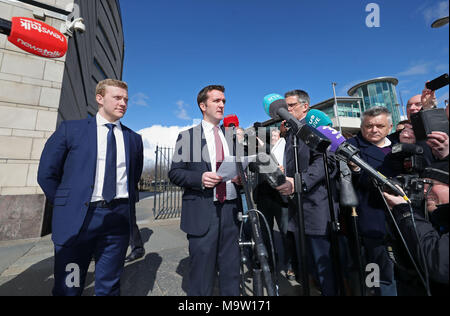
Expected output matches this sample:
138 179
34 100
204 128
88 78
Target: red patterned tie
221 188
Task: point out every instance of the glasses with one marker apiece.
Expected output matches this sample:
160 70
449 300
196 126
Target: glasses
293 105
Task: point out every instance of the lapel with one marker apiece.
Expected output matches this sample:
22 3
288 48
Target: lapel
91 158
204 149
126 141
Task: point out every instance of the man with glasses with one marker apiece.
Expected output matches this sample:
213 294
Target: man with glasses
314 198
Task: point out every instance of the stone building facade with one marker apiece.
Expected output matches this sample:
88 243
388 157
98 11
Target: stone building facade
36 94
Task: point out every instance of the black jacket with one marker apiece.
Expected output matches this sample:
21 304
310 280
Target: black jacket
432 239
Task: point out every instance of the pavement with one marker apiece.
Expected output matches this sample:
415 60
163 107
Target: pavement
26 266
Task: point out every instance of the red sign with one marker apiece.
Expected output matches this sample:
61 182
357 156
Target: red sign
37 38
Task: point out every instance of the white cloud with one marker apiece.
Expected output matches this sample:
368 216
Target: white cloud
140 99
420 69
442 98
342 90
441 68
157 135
435 12
182 112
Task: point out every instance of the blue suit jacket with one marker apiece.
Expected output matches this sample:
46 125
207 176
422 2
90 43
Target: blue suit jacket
371 209
188 166
67 174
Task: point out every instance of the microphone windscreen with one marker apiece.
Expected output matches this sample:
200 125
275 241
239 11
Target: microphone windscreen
37 38
333 135
231 121
316 118
272 103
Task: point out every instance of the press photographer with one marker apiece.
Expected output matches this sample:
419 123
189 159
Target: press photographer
428 239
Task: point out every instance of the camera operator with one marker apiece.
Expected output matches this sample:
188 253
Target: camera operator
432 235
314 198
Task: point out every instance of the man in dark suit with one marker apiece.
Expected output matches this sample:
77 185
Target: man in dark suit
89 171
375 148
314 198
210 206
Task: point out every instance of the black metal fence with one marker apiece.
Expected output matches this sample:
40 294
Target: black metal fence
168 197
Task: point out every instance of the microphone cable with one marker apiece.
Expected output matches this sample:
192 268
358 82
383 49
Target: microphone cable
272 250
424 281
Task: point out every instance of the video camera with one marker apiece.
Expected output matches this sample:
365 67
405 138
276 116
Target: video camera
409 158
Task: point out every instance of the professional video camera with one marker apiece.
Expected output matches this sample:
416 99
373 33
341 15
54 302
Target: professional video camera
409 158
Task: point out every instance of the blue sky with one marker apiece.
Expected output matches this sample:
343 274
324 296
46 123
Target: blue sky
173 48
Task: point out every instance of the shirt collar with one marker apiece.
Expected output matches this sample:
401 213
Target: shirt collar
387 142
102 121
207 126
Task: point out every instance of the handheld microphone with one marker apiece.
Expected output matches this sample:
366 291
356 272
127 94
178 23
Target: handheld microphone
316 118
275 105
348 152
231 121
34 37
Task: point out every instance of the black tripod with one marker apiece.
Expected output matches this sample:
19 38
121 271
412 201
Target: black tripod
261 269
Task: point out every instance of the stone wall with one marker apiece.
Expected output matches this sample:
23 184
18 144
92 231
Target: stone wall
30 89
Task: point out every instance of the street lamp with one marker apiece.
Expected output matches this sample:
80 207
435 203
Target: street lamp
336 112
440 22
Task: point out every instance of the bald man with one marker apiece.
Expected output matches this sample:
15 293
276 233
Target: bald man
414 105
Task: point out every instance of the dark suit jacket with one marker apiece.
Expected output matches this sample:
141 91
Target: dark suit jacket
371 209
190 161
67 173
315 200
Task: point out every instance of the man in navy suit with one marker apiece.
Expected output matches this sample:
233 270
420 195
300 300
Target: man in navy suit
314 198
89 171
375 148
210 206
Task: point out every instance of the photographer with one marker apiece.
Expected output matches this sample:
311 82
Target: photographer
433 234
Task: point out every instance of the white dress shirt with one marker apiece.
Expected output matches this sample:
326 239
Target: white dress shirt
278 151
208 130
102 141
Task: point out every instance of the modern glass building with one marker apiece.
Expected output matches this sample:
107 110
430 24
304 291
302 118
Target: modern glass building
378 92
349 113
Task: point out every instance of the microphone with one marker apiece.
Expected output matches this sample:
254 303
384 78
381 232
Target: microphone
317 118
266 166
34 37
231 121
275 105
348 152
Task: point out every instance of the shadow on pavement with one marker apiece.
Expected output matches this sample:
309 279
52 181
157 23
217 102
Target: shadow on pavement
138 278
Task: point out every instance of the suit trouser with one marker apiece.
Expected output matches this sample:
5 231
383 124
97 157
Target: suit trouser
135 238
320 263
216 251
105 235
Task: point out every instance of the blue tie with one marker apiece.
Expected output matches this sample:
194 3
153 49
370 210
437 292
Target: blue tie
110 181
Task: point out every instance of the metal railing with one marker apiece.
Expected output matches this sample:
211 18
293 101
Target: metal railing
168 197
